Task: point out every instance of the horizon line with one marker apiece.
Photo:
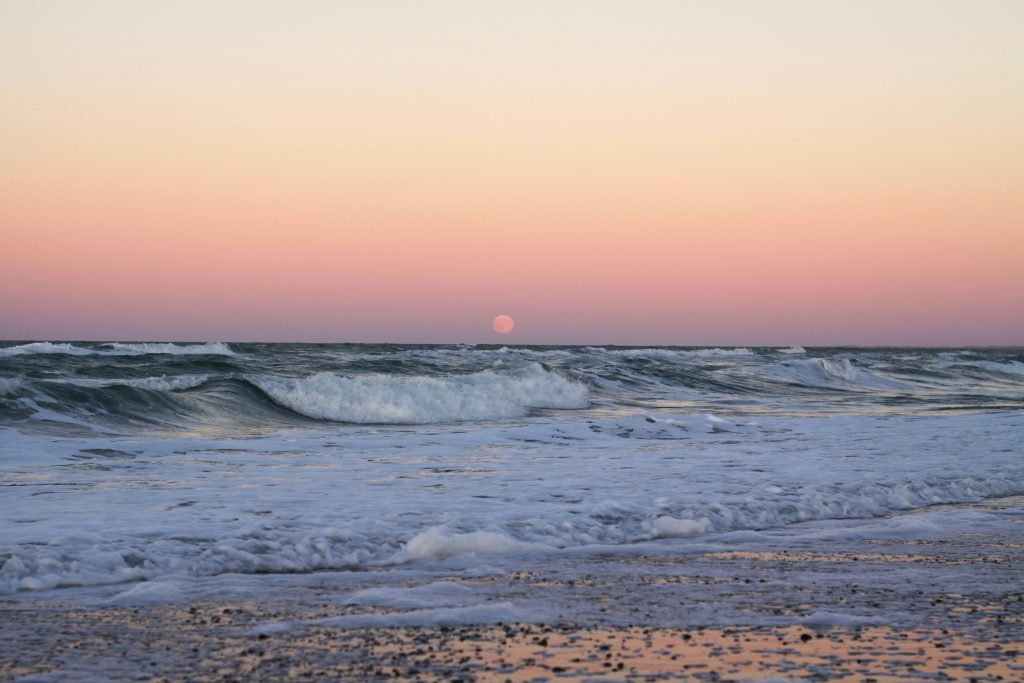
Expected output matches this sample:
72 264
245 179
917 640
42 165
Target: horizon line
501 344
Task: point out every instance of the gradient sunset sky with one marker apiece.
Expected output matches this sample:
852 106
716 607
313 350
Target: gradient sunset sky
636 172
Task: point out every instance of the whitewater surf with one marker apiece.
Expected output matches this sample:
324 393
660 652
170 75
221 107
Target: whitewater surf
127 462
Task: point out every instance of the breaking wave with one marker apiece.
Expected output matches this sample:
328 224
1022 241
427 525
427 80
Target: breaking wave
132 387
266 400
834 373
671 353
117 349
210 348
670 443
387 399
93 559
45 347
11 385
1012 367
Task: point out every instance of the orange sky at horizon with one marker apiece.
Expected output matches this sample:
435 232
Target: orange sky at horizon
604 172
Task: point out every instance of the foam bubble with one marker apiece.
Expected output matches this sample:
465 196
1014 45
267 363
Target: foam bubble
670 527
434 543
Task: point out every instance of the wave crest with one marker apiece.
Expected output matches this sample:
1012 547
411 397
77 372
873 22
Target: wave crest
11 385
209 348
1012 367
388 399
117 349
674 353
834 373
45 347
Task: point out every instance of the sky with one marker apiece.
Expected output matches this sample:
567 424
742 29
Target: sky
737 172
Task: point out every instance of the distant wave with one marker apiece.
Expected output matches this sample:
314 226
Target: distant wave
162 383
210 348
117 349
131 387
1012 367
834 373
674 353
46 347
388 399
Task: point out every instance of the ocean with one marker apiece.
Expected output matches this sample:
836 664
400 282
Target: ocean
148 470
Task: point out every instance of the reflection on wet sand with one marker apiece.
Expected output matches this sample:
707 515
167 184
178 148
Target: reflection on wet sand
875 610
215 642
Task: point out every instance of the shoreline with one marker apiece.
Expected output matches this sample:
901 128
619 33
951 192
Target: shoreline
187 649
882 609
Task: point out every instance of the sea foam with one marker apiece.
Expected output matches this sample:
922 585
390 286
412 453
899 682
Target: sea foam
834 373
117 349
210 348
391 399
435 543
671 353
793 350
45 347
11 385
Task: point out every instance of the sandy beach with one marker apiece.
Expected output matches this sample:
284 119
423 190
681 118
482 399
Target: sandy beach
948 608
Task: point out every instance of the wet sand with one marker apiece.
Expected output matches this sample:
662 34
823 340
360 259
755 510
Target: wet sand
207 646
876 610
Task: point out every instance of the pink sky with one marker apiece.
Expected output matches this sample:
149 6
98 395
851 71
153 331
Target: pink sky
637 173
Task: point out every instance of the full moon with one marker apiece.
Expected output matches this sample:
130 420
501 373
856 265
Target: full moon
503 324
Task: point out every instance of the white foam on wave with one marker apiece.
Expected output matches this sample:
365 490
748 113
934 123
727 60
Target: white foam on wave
91 559
209 348
342 498
1011 367
117 349
165 383
11 385
794 350
390 399
46 347
658 426
834 373
436 544
161 383
670 527
675 353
